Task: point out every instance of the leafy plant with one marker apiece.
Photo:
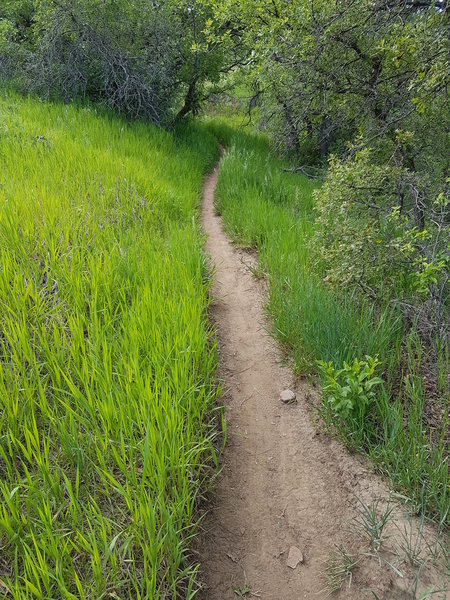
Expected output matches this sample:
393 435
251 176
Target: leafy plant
349 391
242 591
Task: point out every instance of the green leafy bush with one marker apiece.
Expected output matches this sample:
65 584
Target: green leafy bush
378 234
349 391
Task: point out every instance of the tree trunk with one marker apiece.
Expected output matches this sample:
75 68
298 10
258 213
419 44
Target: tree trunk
325 136
189 102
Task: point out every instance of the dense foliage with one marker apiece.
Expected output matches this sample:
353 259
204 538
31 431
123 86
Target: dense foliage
354 92
144 59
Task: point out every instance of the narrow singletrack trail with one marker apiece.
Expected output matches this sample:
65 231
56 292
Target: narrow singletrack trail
283 483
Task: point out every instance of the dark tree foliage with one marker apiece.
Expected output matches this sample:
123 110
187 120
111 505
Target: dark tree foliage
147 59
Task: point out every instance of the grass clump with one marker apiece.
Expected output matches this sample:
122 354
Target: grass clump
107 362
265 206
339 569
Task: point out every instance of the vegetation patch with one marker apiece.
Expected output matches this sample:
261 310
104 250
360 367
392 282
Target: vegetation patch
107 363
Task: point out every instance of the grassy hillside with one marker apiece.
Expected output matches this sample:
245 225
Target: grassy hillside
265 207
106 359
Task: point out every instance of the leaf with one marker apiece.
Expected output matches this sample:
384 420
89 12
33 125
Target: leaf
13 492
112 545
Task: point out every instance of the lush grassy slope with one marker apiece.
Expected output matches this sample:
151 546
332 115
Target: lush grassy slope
267 208
106 359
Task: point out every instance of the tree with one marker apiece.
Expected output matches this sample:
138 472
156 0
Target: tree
145 58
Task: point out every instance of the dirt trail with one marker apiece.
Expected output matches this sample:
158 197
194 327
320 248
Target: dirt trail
282 482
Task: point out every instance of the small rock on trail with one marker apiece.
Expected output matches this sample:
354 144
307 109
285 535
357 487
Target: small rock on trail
295 557
288 397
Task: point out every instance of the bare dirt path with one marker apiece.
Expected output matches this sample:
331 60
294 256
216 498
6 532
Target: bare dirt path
283 483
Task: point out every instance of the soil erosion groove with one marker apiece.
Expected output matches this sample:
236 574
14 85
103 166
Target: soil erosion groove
282 484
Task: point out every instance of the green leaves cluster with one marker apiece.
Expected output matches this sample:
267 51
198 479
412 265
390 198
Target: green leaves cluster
364 83
350 391
366 240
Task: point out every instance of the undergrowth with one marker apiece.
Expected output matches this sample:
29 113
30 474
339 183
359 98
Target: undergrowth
107 362
267 207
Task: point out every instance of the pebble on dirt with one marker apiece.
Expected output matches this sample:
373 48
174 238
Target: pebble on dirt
288 397
295 557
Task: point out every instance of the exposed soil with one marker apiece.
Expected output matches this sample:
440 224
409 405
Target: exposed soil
283 482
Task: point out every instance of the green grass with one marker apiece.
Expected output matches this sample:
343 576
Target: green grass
107 362
270 209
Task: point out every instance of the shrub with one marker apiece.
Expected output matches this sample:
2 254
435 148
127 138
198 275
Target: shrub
380 233
349 391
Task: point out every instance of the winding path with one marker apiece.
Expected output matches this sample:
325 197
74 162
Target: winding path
282 483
